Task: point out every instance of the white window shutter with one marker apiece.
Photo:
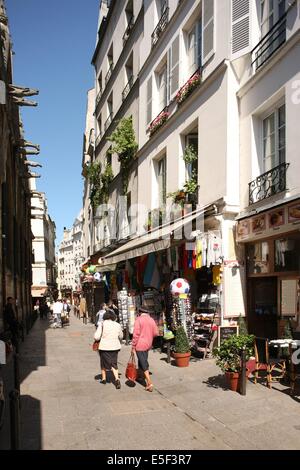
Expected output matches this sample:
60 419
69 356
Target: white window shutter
149 100
174 78
208 29
240 28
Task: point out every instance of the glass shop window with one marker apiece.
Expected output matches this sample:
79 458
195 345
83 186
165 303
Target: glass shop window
258 258
287 254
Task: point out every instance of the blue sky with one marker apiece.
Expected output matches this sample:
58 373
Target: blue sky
53 42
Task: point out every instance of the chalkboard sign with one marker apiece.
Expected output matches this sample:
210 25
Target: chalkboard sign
226 331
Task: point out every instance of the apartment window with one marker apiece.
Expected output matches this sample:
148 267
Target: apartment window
162 181
100 124
194 48
108 156
129 207
162 6
274 141
191 168
270 12
162 87
100 81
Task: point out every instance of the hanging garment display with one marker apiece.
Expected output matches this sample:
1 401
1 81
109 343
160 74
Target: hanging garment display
181 306
216 271
123 308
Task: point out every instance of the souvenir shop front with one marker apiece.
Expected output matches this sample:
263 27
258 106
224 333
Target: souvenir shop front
272 251
179 282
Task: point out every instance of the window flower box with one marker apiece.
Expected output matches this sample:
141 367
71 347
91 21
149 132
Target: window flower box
158 122
188 87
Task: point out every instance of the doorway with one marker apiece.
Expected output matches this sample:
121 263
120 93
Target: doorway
263 307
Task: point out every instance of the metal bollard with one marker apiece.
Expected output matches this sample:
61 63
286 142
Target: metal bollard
14 398
243 378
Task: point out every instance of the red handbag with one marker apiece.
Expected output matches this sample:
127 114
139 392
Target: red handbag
96 345
131 371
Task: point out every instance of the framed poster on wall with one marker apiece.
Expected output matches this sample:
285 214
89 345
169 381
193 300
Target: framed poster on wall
288 297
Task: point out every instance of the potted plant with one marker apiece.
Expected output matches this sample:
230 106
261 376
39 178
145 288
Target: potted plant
182 351
228 357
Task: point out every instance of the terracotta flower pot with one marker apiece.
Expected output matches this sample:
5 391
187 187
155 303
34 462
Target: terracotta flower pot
232 380
182 359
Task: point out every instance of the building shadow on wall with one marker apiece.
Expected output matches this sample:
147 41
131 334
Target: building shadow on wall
32 356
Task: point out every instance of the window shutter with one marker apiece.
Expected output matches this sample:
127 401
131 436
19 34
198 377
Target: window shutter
240 25
199 43
208 29
175 66
149 100
2 92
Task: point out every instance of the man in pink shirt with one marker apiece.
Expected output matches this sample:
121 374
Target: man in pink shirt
145 330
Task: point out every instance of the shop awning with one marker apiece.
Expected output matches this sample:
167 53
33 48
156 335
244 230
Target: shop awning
106 268
157 240
37 291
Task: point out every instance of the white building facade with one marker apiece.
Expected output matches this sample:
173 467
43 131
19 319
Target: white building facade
70 258
220 77
44 232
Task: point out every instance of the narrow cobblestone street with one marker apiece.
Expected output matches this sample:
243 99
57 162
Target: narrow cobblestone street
65 407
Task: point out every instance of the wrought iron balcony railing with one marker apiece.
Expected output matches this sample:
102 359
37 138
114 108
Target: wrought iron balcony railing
108 121
128 29
99 137
109 73
161 26
98 97
269 183
127 88
270 43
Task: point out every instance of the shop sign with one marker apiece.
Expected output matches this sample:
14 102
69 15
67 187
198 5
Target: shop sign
226 331
280 220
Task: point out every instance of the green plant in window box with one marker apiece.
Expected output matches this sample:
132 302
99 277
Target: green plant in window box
190 154
125 146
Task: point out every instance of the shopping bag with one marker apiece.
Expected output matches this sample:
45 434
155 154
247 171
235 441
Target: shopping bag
131 372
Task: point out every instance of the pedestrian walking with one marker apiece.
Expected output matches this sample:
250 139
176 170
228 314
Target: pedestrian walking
57 311
113 307
65 311
83 309
99 315
43 310
145 330
109 334
10 320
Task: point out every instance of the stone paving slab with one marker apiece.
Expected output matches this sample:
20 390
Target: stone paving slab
64 407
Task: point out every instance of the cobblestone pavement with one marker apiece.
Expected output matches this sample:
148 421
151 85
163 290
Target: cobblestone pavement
63 405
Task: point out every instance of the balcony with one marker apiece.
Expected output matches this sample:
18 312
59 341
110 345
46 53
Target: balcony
99 137
159 121
186 90
161 26
108 121
268 184
127 88
98 98
109 73
128 29
269 44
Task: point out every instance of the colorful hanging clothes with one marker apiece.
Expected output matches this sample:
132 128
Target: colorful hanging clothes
198 254
216 272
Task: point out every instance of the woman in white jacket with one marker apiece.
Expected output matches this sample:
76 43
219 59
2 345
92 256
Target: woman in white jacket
109 334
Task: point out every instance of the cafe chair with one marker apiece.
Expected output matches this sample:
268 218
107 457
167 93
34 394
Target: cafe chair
294 369
265 362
